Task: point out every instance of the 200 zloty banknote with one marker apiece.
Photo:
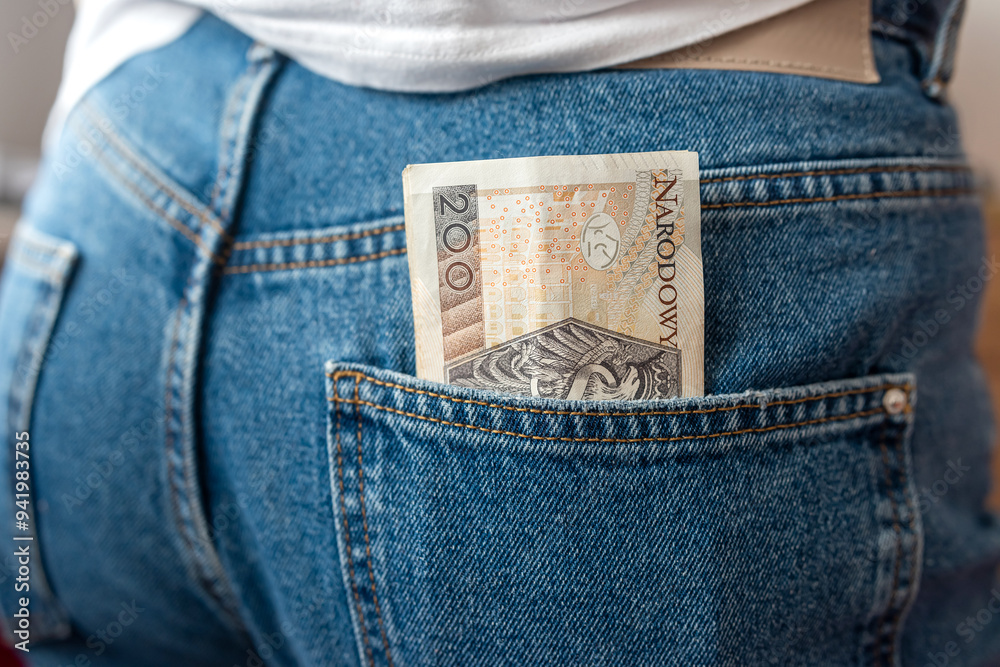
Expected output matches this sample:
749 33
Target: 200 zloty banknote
572 277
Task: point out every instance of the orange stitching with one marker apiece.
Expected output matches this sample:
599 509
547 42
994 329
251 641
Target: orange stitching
444 422
364 523
869 195
838 172
125 151
172 221
246 245
251 268
347 534
897 560
581 413
897 612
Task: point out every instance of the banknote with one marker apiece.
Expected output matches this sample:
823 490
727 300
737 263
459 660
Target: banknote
570 277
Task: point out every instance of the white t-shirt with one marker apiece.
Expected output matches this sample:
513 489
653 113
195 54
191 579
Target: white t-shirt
412 45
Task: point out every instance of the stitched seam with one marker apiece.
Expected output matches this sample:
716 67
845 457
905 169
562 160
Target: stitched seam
125 152
870 195
364 524
732 60
171 220
347 534
444 422
840 172
277 266
251 79
168 409
866 39
280 243
25 239
897 560
252 268
897 610
48 272
232 109
579 413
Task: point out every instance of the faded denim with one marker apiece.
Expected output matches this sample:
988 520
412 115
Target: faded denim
207 331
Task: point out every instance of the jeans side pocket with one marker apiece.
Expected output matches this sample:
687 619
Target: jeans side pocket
35 280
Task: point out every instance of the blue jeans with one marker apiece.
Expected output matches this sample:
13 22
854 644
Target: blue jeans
208 341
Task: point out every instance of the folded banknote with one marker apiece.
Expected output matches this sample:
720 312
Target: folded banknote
569 277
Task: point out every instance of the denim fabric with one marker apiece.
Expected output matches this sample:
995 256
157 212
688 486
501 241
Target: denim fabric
930 27
234 465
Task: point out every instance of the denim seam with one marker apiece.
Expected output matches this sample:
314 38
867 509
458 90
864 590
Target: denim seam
882 637
570 413
188 233
36 267
177 477
347 536
127 153
955 192
228 147
311 264
25 239
528 436
364 523
898 602
842 172
348 236
939 70
330 238
265 63
196 543
913 584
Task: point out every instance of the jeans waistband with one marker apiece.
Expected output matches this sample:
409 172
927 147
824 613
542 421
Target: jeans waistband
931 27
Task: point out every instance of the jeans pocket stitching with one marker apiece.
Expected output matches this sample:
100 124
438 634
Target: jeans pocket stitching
890 621
586 413
311 264
951 192
364 524
840 172
530 436
347 530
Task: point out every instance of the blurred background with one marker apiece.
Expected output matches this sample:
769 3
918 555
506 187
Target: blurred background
30 70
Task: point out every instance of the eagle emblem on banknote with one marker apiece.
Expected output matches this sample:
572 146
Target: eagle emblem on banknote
574 360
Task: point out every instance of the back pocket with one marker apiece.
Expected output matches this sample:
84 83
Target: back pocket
36 274
474 528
